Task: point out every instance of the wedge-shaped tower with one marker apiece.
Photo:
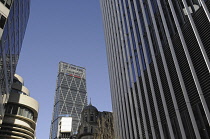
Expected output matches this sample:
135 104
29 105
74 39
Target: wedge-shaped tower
70 99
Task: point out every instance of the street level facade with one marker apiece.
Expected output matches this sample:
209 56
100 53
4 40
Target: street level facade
158 59
70 99
14 16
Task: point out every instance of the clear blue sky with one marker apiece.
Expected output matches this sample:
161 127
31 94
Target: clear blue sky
69 31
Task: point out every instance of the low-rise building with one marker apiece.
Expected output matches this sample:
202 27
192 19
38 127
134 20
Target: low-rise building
95 124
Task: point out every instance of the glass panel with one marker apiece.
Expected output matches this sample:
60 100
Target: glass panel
3 1
9 109
2 21
8 4
14 110
85 129
91 117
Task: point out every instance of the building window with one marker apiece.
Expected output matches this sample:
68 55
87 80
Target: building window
85 118
9 110
3 1
8 4
17 110
2 21
91 118
91 130
85 129
16 81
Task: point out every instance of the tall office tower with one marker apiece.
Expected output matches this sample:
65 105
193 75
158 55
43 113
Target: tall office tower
158 56
70 99
21 113
14 16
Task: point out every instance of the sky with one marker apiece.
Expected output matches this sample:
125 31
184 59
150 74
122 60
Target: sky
70 31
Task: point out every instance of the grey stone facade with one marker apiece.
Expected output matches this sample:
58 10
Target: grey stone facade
105 129
95 124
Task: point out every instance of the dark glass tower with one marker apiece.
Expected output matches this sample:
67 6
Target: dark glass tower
158 56
70 98
14 16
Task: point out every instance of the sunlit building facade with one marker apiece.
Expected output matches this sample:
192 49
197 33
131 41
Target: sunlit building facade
158 58
14 16
21 113
70 99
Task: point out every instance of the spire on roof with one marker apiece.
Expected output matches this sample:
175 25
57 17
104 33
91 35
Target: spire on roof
90 102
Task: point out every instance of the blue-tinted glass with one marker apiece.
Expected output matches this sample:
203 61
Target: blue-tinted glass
148 50
129 18
154 5
133 10
137 64
10 40
133 71
147 14
137 32
142 23
142 58
129 78
133 39
138 5
129 48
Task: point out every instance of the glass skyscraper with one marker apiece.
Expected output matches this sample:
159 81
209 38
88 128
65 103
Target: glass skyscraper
158 58
70 99
14 16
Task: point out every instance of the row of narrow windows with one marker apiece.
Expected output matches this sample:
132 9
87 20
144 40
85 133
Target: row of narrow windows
65 136
19 110
17 91
91 118
7 3
86 129
2 21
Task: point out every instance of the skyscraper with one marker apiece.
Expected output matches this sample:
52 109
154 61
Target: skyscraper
158 57
14 16
70 99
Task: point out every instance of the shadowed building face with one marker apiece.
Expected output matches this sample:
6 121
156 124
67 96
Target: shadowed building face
158 56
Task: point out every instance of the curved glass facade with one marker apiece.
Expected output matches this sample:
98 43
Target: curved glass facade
158 57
